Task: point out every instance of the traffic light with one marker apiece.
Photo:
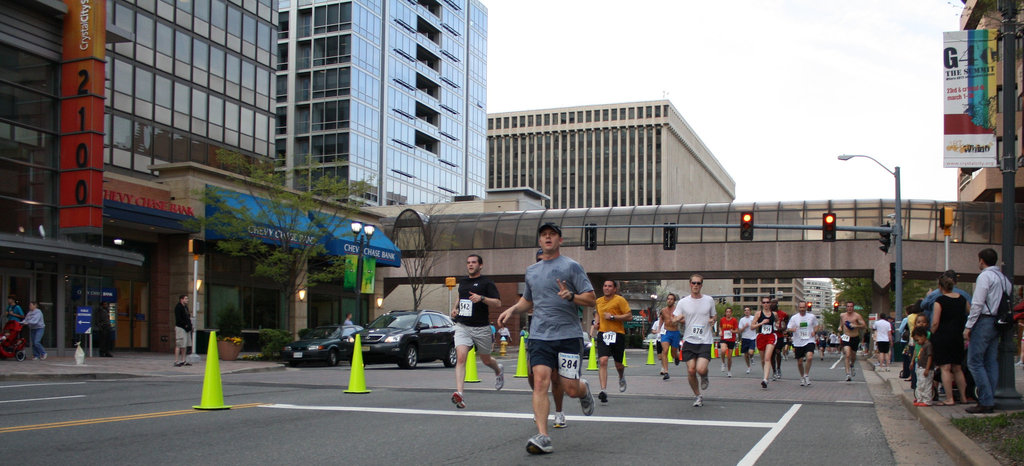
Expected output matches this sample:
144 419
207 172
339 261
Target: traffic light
946 216
669 242
886 240
590 237
809 306
835 306
196 246
828 226
747 226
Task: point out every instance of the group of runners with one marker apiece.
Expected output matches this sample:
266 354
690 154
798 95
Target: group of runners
556 286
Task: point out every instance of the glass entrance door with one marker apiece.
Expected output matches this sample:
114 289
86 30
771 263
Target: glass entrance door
132 310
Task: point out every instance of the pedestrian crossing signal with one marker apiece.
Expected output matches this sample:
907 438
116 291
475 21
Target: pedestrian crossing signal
590 237
670 237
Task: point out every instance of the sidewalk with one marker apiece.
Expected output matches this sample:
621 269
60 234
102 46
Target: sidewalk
122 365
937 419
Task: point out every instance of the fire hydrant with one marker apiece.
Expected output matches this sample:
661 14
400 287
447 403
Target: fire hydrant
504 346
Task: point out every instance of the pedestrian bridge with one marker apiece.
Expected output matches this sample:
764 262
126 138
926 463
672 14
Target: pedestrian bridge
508 241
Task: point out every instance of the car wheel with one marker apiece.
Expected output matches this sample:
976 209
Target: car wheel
452 357
293 363
332 358
20 355
412 357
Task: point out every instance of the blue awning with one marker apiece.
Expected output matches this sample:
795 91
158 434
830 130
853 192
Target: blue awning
275 224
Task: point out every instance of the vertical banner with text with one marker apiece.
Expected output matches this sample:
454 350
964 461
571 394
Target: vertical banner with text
369 273
81 120
969 98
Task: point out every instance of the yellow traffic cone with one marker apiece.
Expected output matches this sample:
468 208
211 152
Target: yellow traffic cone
650 353
471 375
624 363
670 351
736 352
213 394
592 363
522 369
714 351
357 376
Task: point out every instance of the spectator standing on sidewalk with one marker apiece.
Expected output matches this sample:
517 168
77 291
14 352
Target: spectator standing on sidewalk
981 333
34 321
923 359
182 331
101 329
14 311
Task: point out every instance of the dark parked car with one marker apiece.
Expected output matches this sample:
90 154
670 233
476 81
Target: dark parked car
328 343
408 338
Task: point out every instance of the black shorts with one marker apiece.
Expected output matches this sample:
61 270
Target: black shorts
545 353
801 351
693 350
748 345
615 350
730 344
853 343
883 346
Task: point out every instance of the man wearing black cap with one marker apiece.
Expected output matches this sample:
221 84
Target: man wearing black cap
554 287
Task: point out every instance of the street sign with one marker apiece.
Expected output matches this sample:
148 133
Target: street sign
83 319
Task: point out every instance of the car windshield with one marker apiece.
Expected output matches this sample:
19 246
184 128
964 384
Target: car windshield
394 321
322 332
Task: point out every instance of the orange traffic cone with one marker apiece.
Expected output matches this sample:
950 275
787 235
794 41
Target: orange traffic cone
213 392
356 376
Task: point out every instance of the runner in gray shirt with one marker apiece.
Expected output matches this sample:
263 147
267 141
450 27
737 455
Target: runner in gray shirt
554 287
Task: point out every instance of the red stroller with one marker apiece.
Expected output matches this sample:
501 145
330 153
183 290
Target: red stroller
12 345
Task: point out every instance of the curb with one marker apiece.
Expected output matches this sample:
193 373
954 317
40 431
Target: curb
23 377
960 448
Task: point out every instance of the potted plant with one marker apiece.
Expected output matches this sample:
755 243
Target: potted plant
229 339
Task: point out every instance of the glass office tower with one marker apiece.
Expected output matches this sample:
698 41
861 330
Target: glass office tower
387 91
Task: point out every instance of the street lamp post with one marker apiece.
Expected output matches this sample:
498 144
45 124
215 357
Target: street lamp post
897 230
362 234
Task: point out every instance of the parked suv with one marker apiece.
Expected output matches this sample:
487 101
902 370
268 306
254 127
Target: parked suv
408 338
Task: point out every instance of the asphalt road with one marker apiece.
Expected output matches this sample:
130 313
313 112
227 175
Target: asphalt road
302 415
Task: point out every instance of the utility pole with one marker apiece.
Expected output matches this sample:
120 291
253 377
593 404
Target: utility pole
1005 391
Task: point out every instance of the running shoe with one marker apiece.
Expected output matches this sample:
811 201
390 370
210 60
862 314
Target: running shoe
920 403
43 357
699 401
35 358
1019 363
587 402
807 379
704 382
723 367
665 376
539 444
728 374
848 378
622 384
802 382
458 401
853 371
560 421
748 370
602 396
764 384
499 380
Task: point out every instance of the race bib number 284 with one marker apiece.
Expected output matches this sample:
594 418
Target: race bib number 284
569 365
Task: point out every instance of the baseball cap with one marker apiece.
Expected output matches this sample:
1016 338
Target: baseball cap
550 225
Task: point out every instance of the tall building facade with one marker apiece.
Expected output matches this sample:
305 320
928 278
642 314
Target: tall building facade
391 92
641 153
819 293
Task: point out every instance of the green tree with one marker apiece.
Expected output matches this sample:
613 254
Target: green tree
282 230
861 290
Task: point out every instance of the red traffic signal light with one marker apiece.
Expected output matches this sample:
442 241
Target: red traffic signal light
828 226
747 226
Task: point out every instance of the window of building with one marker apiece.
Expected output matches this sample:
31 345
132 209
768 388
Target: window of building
231 115
200 54
216 111
182 97
218 14
123 77
163 91
182 47
282 25
164 39
234 21
216 61
233 69
330 115
330 83
331 18
248 75
331 50
282 57
143 85
282 120
198 104
249 28
202 9
329 148
630 113
144 30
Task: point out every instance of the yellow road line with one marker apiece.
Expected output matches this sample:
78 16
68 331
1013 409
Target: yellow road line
131 417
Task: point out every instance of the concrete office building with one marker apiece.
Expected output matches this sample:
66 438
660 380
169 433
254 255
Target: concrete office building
819 293
389 92
629 154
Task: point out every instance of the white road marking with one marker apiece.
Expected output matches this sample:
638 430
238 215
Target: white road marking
835 364
762 445
431 412
855 402
43 399
40 384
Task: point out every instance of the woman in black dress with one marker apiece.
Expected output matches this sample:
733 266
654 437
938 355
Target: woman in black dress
949 315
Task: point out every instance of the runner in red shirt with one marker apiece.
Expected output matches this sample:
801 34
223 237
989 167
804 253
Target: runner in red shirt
727 326
780 328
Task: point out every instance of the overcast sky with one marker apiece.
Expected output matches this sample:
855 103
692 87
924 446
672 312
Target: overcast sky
776 89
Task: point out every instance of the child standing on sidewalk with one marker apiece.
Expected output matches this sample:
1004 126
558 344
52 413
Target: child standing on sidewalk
923 359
